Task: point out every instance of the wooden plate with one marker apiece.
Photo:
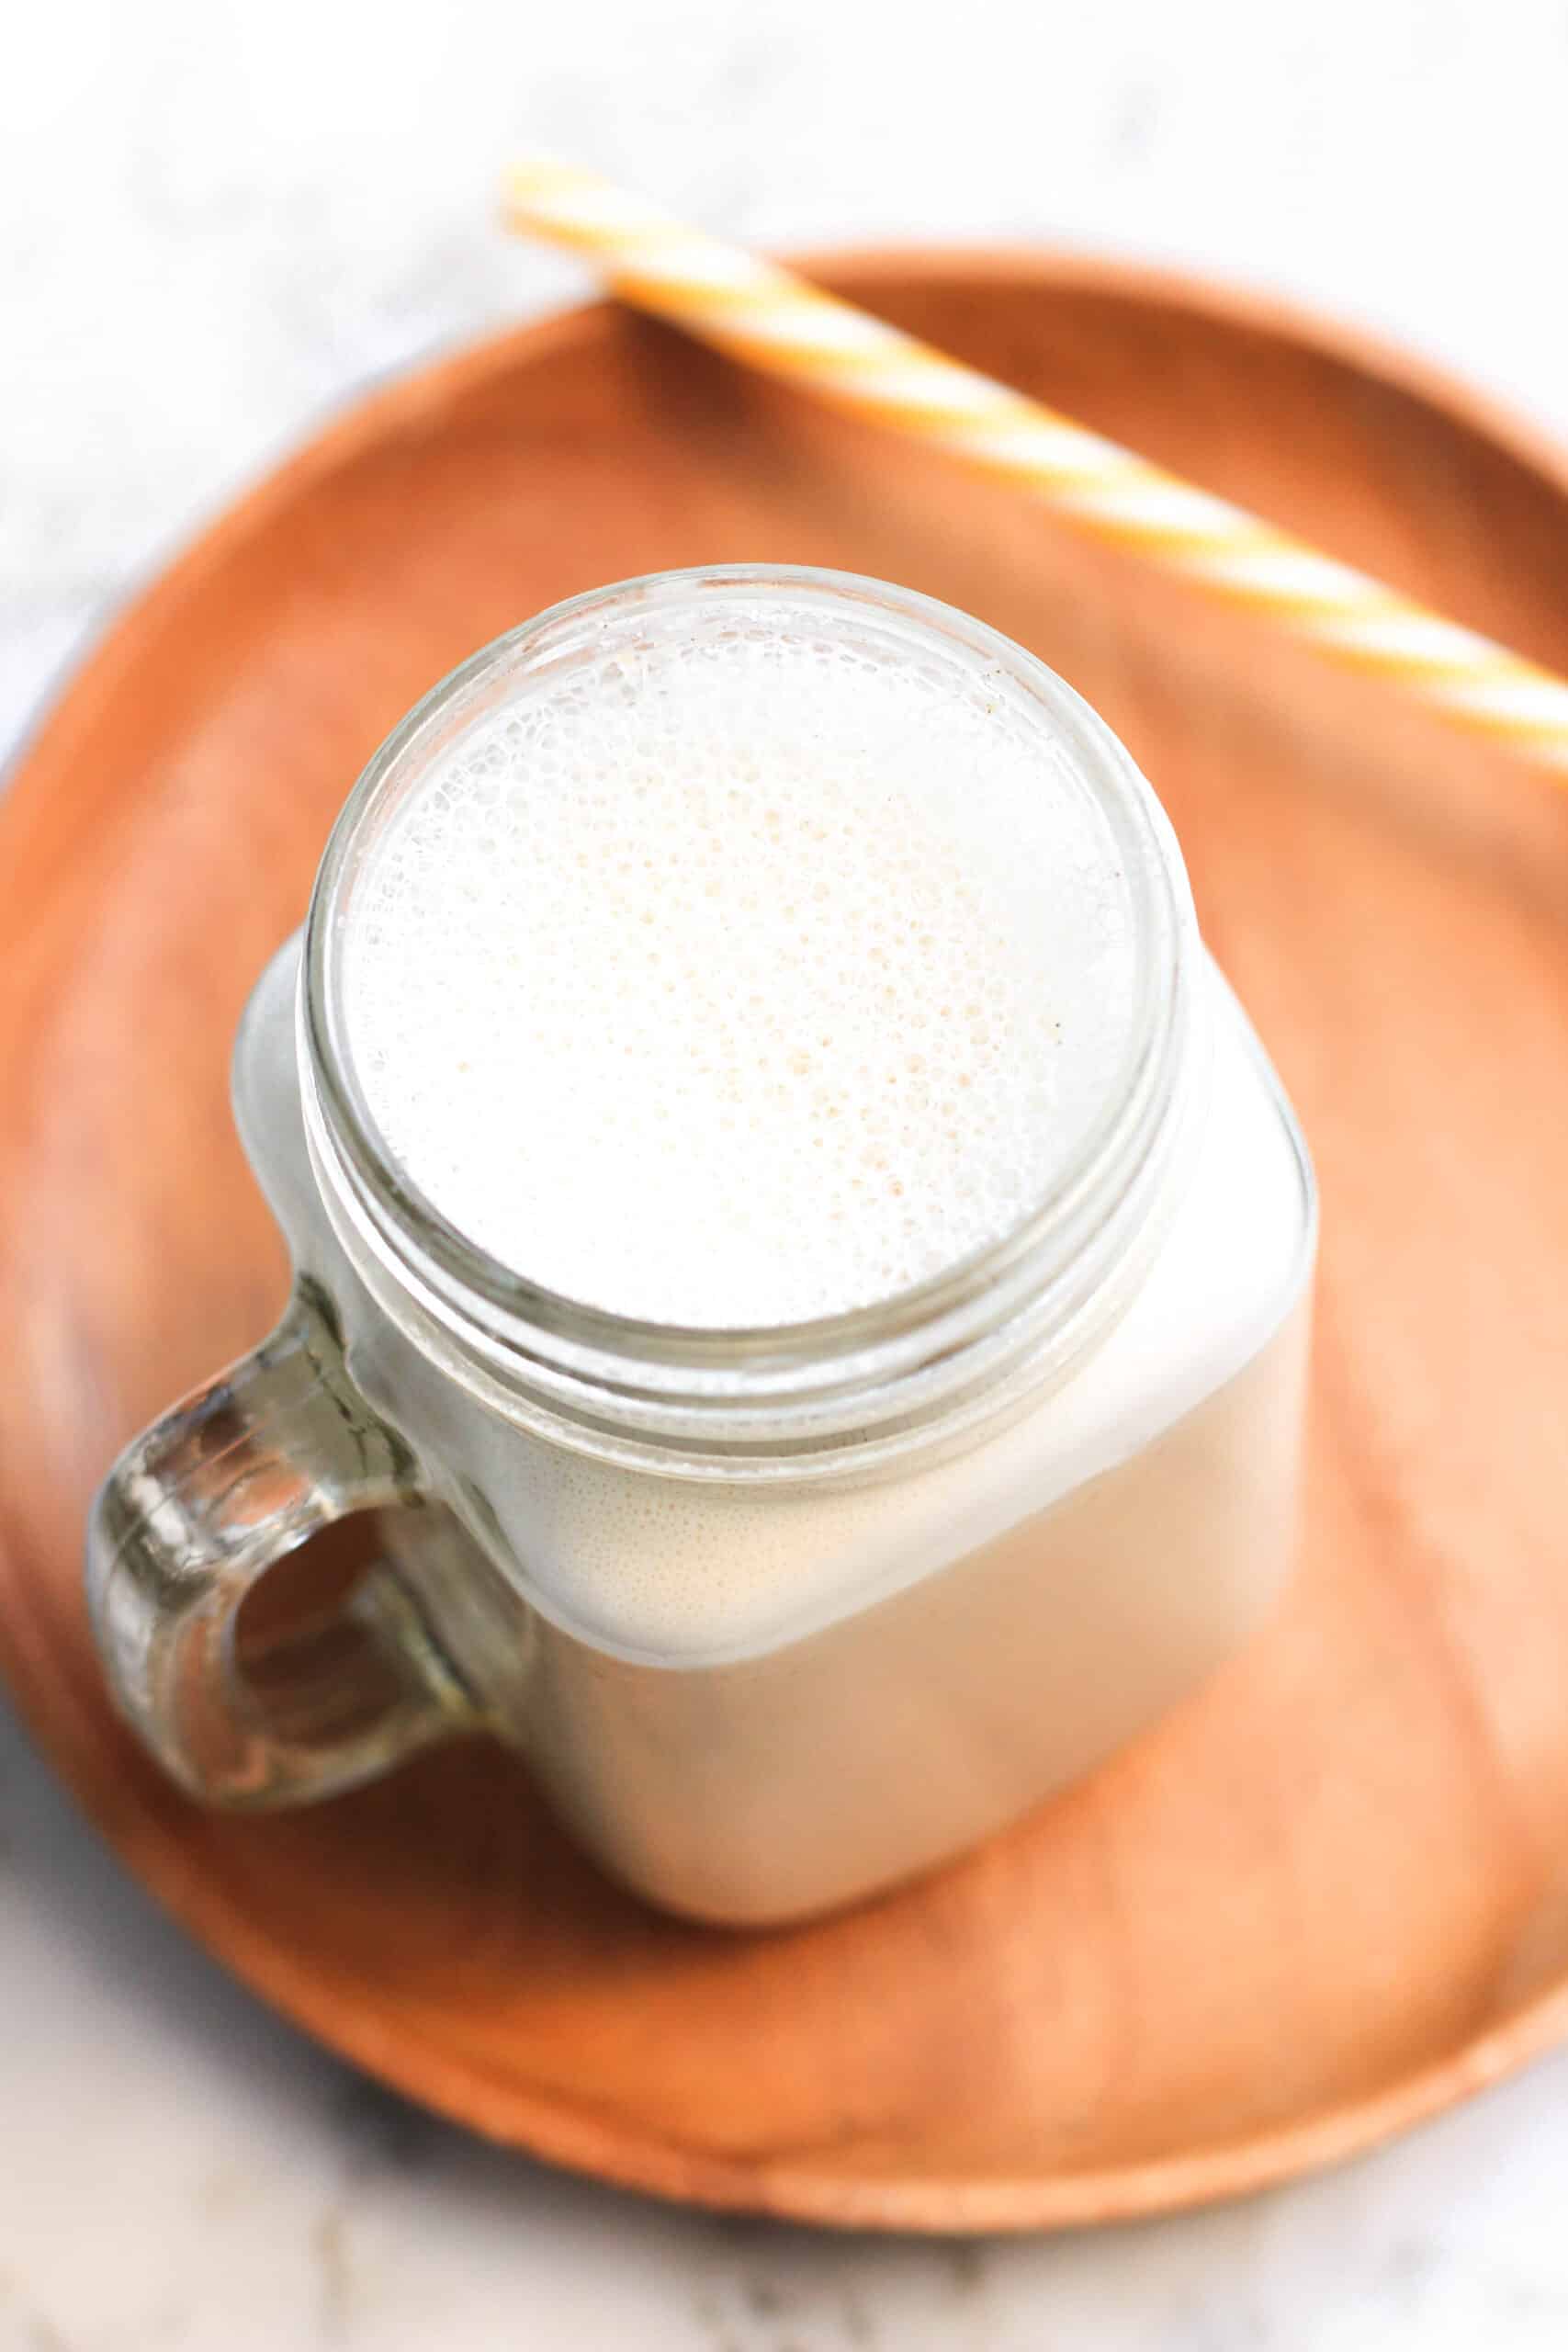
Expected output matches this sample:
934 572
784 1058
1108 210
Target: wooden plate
1332 1893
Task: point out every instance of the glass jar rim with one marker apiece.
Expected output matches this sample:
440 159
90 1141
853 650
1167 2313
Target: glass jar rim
518 1325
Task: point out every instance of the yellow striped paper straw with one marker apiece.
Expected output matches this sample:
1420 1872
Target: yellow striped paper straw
777 321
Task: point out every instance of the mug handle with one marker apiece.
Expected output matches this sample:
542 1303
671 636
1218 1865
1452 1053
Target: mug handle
195 1512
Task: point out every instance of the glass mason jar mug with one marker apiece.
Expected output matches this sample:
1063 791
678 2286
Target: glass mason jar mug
781 1615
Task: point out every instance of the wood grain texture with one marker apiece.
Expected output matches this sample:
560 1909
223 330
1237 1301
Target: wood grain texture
1331 1894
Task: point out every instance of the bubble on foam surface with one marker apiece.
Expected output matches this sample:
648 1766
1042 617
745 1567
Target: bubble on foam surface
743 979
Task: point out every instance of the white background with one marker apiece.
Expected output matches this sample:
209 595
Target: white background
215 223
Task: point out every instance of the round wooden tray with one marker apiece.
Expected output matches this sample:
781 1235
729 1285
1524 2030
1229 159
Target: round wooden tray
1328 1896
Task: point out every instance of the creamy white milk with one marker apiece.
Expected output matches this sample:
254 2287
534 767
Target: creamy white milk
757 980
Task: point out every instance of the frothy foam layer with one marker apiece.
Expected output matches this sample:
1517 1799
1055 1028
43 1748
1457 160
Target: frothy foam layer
742 978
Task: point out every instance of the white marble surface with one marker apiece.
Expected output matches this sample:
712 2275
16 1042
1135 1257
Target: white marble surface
218 219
